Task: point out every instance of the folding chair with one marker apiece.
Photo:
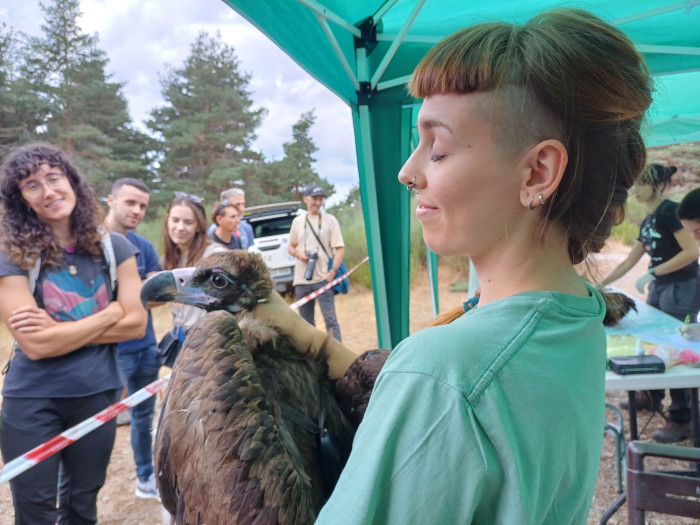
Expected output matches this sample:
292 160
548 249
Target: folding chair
669 492
618 432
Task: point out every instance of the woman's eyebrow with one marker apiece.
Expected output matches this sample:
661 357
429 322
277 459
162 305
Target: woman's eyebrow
433 123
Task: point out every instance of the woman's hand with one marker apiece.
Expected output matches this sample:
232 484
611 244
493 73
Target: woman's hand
643 281
30 319
689 331
276 312
307 339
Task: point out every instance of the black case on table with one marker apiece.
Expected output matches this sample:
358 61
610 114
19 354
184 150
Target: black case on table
637 364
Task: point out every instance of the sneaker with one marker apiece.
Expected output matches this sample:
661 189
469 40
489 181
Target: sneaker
147 489
124 418
672 432
643 401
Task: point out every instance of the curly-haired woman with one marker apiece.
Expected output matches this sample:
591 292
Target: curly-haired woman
66 320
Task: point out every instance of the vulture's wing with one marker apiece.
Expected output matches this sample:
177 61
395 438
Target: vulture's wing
220 450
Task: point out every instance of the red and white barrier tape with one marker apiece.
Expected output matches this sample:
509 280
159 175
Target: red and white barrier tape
316 293
36 455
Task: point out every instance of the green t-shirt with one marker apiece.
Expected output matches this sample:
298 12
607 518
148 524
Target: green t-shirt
495 418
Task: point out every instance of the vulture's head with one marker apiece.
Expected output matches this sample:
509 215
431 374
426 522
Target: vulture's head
234 281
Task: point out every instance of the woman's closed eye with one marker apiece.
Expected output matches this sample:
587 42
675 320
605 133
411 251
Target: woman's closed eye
434 157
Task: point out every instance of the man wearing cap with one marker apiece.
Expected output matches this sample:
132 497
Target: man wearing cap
313 239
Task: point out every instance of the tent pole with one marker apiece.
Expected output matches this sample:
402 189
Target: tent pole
396 43
433 280
473 281
379 14
649 13
370 204
323 22
381 301
323 11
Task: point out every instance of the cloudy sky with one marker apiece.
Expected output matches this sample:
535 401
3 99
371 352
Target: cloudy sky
141 37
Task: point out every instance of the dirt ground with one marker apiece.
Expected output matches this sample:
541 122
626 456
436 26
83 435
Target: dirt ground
117 504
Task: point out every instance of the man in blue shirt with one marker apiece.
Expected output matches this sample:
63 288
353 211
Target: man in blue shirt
138 358
236 196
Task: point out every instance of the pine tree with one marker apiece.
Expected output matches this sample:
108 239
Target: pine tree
89 117
22 111
208 124
296 169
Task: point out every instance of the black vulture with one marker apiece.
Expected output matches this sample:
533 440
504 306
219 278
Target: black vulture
246 416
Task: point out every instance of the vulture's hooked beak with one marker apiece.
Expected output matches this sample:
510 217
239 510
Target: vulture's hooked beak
174 286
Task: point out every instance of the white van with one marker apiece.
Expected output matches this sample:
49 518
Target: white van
271 224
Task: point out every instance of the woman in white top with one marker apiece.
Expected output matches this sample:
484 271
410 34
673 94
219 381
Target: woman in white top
186 243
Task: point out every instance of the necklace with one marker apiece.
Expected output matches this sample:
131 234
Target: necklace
72 268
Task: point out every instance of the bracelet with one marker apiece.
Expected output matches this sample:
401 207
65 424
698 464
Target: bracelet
652 272
335 270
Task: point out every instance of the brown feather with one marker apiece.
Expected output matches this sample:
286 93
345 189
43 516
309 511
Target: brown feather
227 450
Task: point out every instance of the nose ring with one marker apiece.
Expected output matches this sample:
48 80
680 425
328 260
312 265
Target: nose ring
411 185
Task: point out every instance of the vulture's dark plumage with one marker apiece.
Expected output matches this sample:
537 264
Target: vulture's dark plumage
239 436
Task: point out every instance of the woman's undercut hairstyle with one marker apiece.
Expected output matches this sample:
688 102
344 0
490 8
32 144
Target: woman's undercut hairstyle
25 237
199 242
565 75
689 208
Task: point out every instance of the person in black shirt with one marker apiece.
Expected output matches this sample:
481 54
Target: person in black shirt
674 283
227 218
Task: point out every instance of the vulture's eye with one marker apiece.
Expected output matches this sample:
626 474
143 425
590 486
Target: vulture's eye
218 281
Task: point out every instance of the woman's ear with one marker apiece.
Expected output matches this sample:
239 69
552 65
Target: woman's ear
543 167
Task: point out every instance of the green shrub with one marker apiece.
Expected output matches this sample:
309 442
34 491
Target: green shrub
626 233
352 225
152 229
635 212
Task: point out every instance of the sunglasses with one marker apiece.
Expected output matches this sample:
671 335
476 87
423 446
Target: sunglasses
194 198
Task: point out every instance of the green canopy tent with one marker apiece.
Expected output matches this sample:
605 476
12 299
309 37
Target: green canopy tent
365 50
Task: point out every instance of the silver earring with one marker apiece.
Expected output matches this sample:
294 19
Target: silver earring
540 197
411 185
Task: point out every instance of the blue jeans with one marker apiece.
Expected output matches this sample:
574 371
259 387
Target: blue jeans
678 299
327 303
140 369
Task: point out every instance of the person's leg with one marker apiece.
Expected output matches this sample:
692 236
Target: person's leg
142 414
327 303
128 363
680 300
84 463
306 310
679 411
654 299
27 423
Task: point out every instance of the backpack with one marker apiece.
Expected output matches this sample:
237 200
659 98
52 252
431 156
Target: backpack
110 259
33 275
